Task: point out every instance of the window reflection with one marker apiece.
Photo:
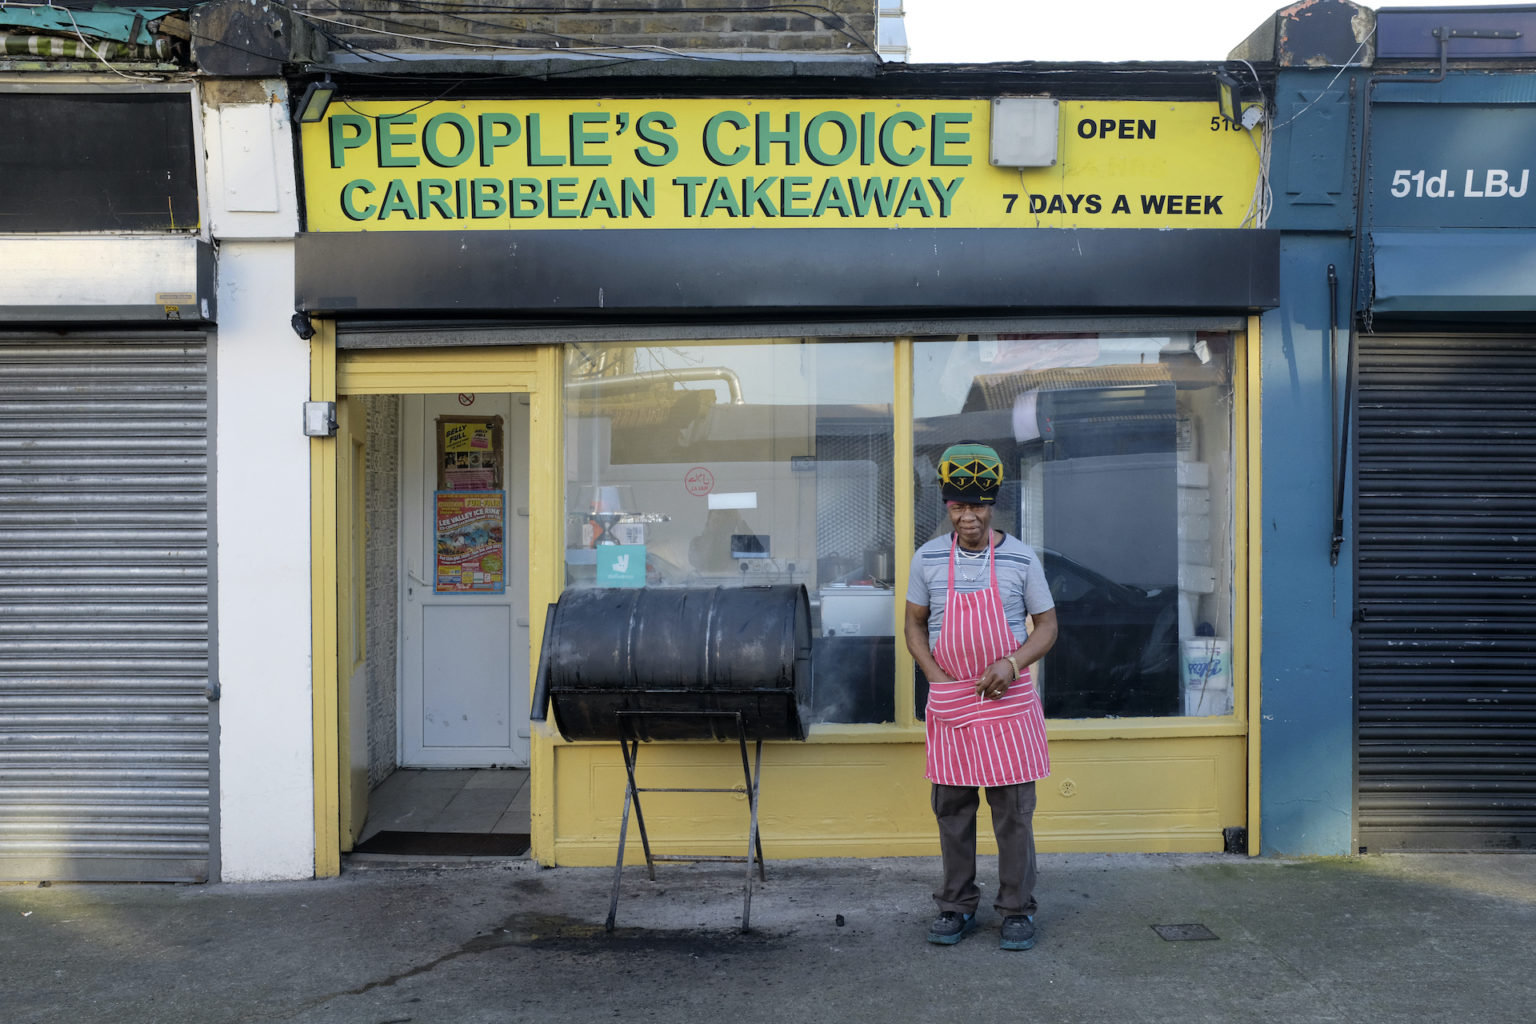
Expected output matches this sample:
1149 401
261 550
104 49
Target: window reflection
1117 450
741 463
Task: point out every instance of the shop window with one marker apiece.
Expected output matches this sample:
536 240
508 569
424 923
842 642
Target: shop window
1118 472
733 464
83 160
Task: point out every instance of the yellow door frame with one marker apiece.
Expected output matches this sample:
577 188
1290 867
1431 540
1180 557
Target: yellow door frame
1248 548
325 585
531 370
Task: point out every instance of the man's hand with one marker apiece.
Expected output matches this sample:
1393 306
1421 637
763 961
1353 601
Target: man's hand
993 684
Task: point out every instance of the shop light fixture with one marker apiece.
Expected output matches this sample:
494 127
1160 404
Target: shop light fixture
1229 100
317 98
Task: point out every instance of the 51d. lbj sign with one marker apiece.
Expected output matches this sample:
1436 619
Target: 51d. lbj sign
1492 183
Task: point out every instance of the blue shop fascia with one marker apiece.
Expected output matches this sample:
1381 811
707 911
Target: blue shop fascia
1399 381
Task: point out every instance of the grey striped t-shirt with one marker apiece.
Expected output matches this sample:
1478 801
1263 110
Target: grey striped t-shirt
1020 581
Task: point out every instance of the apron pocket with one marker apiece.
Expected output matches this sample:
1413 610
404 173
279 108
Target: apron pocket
954 702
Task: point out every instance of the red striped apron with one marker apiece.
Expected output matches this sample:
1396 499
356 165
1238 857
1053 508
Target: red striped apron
973 741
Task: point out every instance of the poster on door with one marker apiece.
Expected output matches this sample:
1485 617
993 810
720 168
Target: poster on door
469 453
471 553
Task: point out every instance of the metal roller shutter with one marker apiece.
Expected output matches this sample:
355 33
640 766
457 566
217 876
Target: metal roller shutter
104 660
1446 593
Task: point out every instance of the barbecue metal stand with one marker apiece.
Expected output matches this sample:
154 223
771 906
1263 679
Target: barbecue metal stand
629 743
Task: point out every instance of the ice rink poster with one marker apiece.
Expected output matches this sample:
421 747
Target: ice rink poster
471 528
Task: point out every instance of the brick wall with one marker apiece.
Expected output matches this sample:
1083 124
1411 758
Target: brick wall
845 27
382 498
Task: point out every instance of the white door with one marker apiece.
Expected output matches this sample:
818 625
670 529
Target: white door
464 693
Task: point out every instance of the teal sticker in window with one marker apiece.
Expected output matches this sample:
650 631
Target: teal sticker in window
621 565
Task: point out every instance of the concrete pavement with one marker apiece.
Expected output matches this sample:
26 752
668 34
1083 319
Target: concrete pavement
1382 938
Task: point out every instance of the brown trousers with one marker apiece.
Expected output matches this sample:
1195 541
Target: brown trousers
1013 812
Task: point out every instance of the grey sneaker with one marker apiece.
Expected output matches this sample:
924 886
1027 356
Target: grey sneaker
950 927
1018 932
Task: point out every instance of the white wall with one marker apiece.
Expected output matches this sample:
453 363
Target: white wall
266 762
262 501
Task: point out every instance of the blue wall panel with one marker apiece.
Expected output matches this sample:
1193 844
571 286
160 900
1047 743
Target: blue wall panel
1307 720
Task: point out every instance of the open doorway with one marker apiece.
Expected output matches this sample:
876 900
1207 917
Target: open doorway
435 716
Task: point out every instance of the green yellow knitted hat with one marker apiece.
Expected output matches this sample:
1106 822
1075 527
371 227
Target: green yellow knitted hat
971 473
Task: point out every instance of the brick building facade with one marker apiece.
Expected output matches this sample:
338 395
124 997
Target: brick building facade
663 27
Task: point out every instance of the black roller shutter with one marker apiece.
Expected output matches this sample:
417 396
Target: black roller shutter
1446 593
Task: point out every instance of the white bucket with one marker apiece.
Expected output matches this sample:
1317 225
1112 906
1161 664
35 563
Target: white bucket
1205 669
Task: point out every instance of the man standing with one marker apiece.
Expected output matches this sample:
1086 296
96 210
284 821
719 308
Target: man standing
968 598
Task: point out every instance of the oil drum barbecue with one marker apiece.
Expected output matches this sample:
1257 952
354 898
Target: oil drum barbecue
684 663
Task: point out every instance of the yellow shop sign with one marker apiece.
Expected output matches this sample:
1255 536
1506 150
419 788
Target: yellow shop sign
702 163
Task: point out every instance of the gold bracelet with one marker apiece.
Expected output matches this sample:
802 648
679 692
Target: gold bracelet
1016 670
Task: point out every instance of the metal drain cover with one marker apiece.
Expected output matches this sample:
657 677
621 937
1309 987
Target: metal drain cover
1183 932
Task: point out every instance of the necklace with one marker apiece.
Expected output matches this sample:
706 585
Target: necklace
977 561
